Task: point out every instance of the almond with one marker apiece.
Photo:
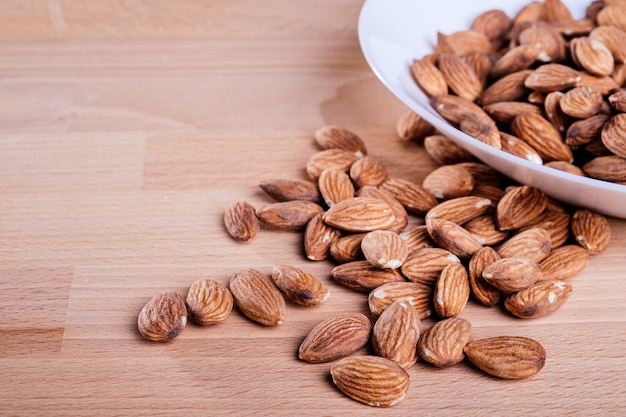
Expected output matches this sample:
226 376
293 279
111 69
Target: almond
512 274
371 380
556 223
453 237
515 59
413 127
463 42
360 214
240 221
481 127
533 244
519 207
546 39
257 297
208 302
612 15
485 230
401 217
335 337
444 151
299 286
542 136
335 186
484 292
384 249
613 38
505 111
592 55
442 344
459 210
493 23
509 357
428 77
367 171
318 238
412 196
287 190
581 102
288 215
418 295
363 276
163 317
608 168
335 137
454 108
564 263
584 131
417 238
347 248
553 111
515 146
552 77
614 134
591 231
396 332
452 291
508 88
425 265
459 76
334 158
448 181
538 300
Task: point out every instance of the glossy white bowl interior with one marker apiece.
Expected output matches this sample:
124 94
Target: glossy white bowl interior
394 32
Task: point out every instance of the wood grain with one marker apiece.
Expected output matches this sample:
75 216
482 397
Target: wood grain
127 128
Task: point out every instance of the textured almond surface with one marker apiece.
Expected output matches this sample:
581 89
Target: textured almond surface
299 286
442 344
360 214
257 297
384 249
538 300
372 380
163 317
396 332
335 337
508 357
419 295
241 221
208 302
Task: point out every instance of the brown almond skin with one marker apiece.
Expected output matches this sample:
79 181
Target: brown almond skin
442 344
448 181
384 249
542 136
519 207
335 137
299 286
360 214
335 185
482 291
241 221
453 237
208 302
334 158
335 337
419 296
460 210
396 332
318 238
347 248
371 380
556 223
508 357
413 197
533 243
287 190
363 276
163 317
512 274
288 215
257 297
539 300
425 265
591 231
564 263
367 171
401 217
452 291
413 127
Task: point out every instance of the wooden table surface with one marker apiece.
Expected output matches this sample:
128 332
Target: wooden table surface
127 128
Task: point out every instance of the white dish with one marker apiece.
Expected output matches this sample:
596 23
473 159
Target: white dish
392 33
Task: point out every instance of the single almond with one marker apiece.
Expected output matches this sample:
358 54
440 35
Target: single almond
371 380
418 295
482 291
459 76
460 210
556 223
508 357
299 286
591 231
542 136
286 190
257 297
581 102
564 263
318 238
208 302
335 186
512 274
412 196
614 134
367 171
444 151
552 77
384 249
360 214
592 55
425 265
339 159
241 221
519 207
363 276
452 291
515 146
401 217
485 230
453 237
607 168
413 127
494 23
396 332
448 181
288 215
538 300
533 243
335 337
163 317
347 248
416 238
335 137
442 344
428 77
481 127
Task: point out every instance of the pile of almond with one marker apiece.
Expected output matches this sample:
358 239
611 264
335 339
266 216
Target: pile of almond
415 250
540 85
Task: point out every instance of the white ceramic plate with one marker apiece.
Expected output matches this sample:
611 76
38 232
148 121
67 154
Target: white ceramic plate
394 32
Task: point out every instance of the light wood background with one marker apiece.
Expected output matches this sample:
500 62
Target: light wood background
126 128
